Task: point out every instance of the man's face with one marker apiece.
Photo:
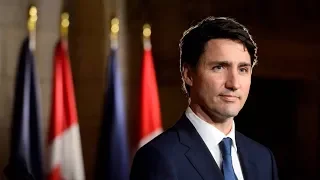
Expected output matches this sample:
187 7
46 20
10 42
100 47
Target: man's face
220 83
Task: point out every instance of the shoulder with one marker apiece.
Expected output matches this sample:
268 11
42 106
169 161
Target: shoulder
254 148
164 147
259 155
163 143
250 144
152 161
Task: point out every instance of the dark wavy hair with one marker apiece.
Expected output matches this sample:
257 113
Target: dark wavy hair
194 39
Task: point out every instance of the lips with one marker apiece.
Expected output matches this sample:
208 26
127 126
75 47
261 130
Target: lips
229 98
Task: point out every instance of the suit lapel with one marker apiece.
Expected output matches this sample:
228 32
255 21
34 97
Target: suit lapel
198 153
249 169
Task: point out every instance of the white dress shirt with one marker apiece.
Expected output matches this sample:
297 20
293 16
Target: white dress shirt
212 137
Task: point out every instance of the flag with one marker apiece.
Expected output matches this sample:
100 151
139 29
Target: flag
65 153
25 160
150 115
112 157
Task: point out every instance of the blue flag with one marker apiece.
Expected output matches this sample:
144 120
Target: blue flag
25 160
113 158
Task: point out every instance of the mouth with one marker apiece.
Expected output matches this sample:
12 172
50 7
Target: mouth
229 98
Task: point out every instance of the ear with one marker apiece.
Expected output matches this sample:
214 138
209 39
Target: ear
187 74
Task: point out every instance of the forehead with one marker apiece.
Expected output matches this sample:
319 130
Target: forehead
225 50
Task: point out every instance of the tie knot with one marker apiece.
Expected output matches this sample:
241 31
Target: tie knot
225 146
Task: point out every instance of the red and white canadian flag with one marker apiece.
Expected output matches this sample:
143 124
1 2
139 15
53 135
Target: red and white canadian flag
65 153
150 124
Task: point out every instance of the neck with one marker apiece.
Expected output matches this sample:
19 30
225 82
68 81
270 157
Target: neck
222 124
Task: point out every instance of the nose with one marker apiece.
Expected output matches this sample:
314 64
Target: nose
232 81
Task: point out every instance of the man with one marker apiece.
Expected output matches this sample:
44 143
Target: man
216 60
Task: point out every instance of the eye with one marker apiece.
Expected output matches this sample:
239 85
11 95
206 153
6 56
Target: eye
244 69
217 68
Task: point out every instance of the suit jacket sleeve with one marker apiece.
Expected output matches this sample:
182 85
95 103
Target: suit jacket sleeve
274 167
150 164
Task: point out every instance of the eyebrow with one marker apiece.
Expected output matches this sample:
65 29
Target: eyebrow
219 62
242 64
227 63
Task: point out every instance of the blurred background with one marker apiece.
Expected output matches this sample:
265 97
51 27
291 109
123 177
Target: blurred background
282 111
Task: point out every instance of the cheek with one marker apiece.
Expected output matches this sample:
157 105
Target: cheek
246 83
211 84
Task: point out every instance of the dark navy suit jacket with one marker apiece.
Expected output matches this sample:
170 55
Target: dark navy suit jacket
180 154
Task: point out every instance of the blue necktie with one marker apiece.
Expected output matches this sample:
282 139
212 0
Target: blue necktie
225 148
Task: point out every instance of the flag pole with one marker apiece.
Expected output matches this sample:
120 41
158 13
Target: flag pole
32 23
64 25
146 36
64 29
114 33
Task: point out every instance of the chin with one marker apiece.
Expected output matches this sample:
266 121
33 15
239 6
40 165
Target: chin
229 113
223 115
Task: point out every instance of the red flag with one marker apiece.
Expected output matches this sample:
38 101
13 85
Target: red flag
65 153
150 115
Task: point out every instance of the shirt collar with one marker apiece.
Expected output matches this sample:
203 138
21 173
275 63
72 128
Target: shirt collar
208 132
